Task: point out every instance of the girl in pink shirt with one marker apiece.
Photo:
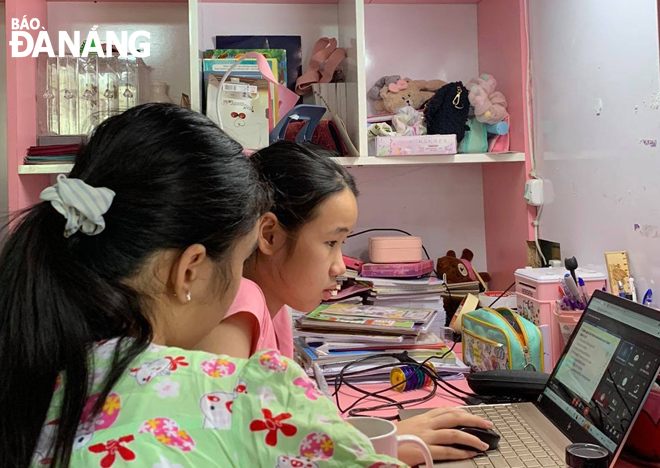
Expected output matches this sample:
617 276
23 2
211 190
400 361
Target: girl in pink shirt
296 262
298 255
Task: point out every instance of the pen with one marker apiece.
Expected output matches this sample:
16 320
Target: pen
573 289
633 291
584 291
648 298
622 291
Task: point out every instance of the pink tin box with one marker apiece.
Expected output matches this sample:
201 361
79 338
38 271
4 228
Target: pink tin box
537 293
396 249
414 145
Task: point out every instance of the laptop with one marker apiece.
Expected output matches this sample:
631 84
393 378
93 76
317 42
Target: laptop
593 395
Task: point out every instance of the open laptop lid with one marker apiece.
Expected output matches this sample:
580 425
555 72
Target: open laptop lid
606 372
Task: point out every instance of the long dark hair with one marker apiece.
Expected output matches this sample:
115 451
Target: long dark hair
179 180
302 177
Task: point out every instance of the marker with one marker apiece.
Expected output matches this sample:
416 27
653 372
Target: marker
584 291
572 287
622 291
633 291
648 298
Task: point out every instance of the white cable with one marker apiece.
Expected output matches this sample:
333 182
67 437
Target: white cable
222 85
530 131
535 223
528 93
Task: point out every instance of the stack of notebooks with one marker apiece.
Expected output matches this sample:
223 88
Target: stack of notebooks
333 336
51 154
411 293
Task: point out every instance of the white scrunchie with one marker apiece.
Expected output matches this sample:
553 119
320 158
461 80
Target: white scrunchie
82 205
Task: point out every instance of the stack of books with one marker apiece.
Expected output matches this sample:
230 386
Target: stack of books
51 154
333 336
410 293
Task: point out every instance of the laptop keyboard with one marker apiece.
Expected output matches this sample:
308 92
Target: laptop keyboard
520 446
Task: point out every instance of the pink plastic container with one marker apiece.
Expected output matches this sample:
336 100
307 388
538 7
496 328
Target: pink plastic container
537 293
644 439
397 249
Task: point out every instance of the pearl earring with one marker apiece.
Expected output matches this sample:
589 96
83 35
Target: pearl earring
188 297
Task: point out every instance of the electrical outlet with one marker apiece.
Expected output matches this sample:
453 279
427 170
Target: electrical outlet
534 192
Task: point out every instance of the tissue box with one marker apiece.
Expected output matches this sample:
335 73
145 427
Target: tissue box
414 145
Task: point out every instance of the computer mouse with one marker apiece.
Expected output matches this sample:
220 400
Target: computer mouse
485 435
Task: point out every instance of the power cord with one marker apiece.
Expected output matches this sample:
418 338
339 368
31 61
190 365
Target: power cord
437 378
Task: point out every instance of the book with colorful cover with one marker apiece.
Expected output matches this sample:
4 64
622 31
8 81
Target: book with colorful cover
292 45
386 313
277 54
247 69
318 320
311 353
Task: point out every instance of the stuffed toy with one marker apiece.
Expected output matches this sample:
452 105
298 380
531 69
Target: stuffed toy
457 270
374 92
489 105
413 93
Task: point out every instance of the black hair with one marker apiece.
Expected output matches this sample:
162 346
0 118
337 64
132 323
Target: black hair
179 180
302 177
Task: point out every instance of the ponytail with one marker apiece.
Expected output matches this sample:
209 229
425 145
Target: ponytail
48 300
176 177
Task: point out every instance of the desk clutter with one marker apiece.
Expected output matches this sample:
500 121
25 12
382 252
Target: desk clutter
431 117
333 336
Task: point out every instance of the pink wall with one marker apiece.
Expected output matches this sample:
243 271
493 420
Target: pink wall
22 109
502 53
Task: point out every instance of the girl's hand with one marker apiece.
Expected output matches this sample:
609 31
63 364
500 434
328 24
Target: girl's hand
436 429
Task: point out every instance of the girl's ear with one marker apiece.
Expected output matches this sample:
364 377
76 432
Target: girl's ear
272 237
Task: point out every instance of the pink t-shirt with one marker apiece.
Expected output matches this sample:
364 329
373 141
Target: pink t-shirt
270 332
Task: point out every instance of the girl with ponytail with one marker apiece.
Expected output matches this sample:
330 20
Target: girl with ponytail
107 285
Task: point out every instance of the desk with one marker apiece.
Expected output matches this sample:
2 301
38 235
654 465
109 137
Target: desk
442 398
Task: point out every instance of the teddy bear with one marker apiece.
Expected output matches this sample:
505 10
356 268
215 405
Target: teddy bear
489 105
406 92
457 270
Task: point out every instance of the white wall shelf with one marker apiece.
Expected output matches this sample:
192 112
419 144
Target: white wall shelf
432 160
344 161
45 168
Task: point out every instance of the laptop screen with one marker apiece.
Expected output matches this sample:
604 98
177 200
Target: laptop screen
605 372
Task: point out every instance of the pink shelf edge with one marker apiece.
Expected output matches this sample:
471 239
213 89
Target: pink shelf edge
503 52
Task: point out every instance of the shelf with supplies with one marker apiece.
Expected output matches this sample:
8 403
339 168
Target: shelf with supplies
344 161
476 158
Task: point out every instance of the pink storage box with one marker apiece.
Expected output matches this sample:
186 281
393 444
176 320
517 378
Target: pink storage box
537 293
644 439
414 145
397 249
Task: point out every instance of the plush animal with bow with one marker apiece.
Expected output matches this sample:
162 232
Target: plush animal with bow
406 92
489 105
458 270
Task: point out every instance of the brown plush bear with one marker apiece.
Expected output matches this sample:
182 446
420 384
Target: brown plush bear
413 93
457 270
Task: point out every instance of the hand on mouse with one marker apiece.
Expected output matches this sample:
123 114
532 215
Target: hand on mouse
435 428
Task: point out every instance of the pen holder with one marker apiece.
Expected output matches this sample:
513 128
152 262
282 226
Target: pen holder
566 320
